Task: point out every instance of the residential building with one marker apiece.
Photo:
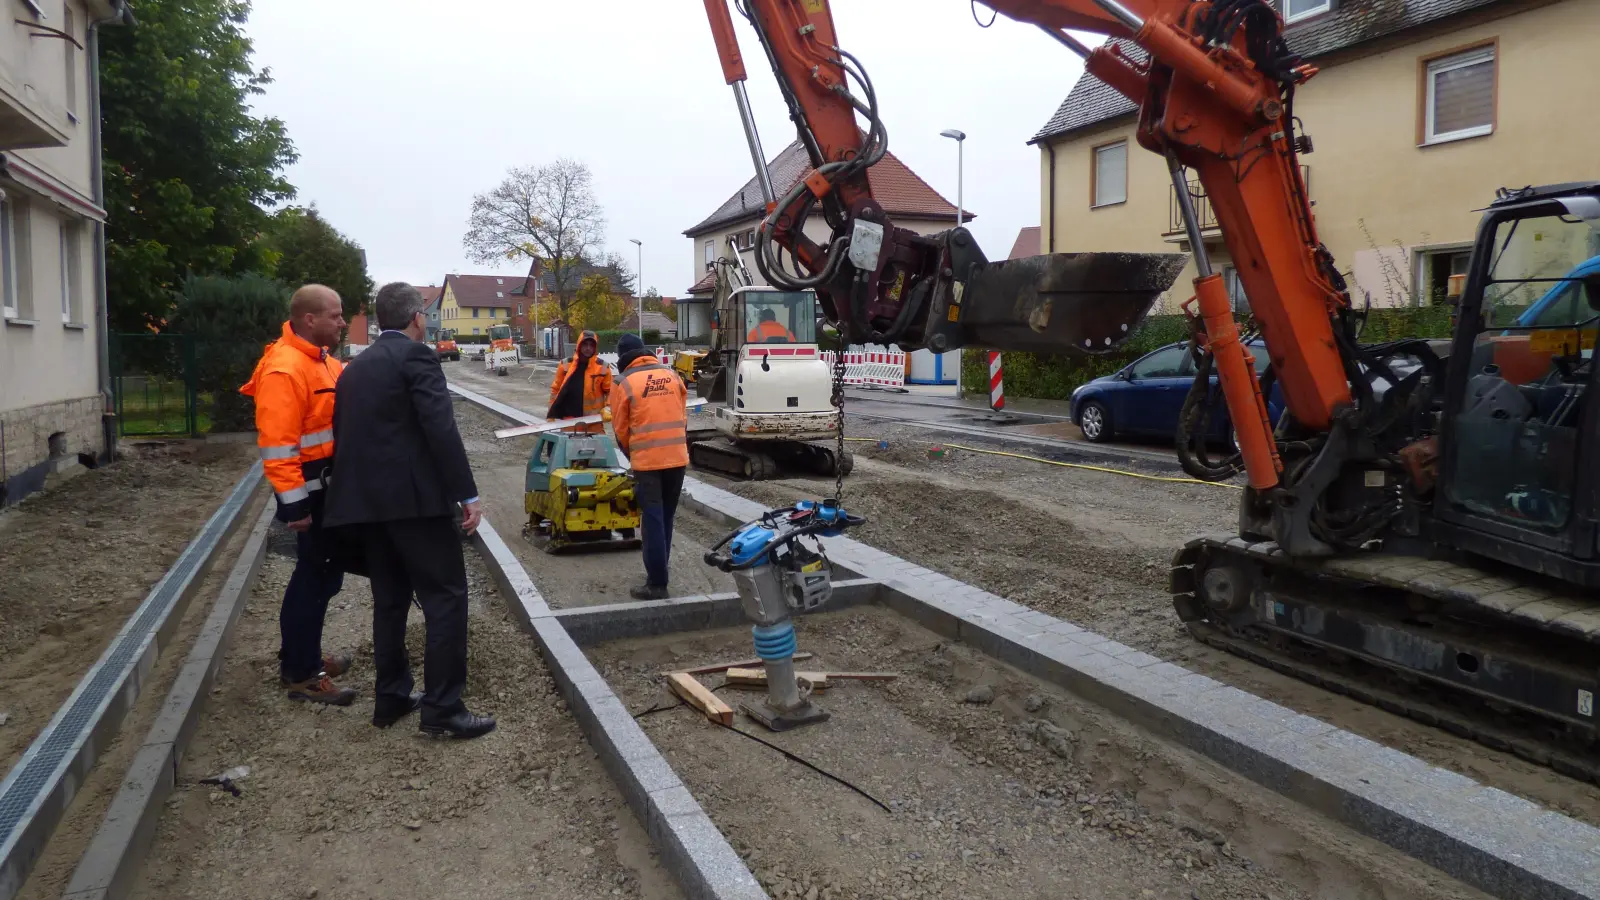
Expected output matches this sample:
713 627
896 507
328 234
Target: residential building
1026 244
1420 111
469 304
909 200
431 293
653 321
540 285
55 377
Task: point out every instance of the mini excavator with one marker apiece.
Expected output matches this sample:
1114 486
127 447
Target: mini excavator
1419 530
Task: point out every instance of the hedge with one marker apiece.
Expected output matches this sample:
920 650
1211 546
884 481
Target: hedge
1048 376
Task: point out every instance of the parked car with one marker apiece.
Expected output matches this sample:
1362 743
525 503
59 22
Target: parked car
1146 397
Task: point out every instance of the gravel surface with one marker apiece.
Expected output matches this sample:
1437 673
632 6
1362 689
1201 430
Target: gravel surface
998 786
336 808
1094 548
77 560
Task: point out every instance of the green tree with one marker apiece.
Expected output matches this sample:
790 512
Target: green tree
187 168
596 306
305 249
653 303
232 319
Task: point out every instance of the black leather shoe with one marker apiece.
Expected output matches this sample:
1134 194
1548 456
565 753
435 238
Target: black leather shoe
388 710
648 592
460 725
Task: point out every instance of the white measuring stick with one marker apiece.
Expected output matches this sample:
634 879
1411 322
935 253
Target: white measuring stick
557 425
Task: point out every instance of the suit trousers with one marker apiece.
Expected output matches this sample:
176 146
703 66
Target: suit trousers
657 495
305 601
420 557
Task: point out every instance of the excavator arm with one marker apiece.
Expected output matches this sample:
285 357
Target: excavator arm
1215 90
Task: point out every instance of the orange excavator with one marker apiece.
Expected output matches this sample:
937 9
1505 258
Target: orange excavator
1418 530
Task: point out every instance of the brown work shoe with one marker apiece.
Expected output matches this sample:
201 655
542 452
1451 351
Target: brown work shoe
321 689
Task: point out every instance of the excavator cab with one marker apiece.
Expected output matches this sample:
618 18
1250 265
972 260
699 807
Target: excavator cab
1517 426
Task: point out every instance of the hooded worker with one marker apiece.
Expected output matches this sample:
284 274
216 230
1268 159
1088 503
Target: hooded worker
652 428
581 386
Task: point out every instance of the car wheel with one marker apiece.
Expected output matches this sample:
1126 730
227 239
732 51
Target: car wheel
1095 420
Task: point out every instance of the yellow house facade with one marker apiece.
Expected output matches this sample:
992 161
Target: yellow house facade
470 304
1417 118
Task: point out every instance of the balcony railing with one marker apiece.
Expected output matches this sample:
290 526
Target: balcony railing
1202 206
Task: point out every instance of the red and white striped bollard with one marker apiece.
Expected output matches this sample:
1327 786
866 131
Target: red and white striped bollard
997 387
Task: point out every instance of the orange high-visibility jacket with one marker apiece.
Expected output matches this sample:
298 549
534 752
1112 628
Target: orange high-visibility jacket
293 388
596 386
769 331
648 416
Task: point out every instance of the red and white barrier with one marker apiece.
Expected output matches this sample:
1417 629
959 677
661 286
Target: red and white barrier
880 369
664 356
997 386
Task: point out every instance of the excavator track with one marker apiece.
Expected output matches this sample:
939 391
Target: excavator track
1438 642
766 460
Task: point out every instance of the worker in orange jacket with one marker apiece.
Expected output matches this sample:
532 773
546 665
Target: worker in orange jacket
652 428
293 388
581 386
769 330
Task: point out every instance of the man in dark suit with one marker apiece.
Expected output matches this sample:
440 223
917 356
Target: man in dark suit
400 475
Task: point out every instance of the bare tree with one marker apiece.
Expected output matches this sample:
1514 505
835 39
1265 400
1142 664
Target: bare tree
547 213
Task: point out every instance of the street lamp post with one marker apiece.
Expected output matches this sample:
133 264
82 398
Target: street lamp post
960 137
639 288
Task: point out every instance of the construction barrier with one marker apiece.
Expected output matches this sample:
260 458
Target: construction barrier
997 386
876 369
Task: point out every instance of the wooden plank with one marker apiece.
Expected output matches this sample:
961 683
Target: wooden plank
863 676
757 678
714 668
696 695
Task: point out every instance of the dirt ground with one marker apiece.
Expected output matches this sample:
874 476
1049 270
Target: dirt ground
334 807
76 561
1093 548
573 579
998 786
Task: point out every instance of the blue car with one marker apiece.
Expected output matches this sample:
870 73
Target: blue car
1560 304
1146 397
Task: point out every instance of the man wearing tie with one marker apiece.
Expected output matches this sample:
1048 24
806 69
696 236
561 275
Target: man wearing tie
400 475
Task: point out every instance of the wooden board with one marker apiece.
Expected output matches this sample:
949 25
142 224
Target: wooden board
698 696
757 678
714 668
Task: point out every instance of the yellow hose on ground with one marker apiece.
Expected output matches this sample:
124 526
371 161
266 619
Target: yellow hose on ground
1067 465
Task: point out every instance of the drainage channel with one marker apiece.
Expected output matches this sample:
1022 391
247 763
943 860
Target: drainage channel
1492 840
37 791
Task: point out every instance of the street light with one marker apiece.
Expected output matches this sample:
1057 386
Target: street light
639 288
960 138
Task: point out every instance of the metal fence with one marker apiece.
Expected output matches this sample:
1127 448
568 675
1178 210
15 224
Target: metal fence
175 385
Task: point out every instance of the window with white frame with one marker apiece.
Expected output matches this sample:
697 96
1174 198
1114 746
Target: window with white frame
1459 96
70 52
71 290
1300 9
8 264
711 253
1110 174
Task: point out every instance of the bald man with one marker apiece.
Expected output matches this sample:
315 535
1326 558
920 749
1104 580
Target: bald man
293 387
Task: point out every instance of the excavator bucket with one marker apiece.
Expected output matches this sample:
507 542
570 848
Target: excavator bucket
1056 303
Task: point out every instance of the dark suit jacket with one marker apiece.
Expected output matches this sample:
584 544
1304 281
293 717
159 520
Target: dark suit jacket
397 454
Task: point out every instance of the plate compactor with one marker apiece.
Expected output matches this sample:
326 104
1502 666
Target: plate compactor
579 496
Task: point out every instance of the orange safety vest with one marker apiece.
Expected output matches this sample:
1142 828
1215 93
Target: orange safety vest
596 387
766 331
648 416
293 389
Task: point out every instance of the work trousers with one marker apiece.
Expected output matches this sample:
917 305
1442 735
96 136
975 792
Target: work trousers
421 558
305 601
657 492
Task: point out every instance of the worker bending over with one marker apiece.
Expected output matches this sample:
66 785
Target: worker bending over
293 388
581 386
769 330
652 428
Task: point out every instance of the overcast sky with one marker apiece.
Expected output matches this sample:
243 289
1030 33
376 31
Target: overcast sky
403 109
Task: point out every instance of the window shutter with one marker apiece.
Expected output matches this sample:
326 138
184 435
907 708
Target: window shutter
1463 93
1111 174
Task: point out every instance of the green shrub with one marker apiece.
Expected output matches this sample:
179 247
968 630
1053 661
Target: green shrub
1055 376
231 320
608 339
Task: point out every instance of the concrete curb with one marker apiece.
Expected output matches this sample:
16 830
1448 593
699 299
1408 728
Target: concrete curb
1492 840
109 865
36 792
691 847
589 625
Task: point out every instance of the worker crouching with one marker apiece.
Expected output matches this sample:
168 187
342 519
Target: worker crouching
652 428
293 387
582 386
